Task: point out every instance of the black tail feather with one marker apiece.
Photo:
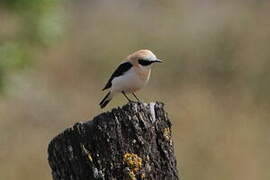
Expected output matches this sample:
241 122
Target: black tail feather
105 100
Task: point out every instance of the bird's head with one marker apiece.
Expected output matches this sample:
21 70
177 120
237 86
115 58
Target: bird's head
143 58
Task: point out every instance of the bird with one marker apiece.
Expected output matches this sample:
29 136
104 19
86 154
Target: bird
130 76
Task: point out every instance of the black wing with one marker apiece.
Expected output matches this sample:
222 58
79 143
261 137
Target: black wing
122 68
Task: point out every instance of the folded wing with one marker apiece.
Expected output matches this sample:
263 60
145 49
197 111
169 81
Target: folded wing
121 69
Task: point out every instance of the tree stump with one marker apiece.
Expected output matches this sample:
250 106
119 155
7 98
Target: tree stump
129 143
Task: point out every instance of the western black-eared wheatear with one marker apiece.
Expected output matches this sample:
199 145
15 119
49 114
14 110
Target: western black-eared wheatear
130 76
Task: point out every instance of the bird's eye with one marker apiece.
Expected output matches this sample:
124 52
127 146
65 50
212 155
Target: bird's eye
144 62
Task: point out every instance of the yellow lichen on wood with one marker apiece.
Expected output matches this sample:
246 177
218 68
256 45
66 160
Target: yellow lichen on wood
167 134
133 161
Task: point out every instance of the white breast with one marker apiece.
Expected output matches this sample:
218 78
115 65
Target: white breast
129 82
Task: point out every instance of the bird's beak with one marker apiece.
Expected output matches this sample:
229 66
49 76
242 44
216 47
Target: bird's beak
159 61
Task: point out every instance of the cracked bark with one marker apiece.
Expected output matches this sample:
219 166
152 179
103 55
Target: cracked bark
132 142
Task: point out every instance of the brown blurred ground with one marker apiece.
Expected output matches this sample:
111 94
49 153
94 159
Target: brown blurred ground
214 82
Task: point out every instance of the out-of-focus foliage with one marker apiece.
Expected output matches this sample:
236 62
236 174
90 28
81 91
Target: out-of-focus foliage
214 79
26 25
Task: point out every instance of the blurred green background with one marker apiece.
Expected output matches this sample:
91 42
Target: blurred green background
55 57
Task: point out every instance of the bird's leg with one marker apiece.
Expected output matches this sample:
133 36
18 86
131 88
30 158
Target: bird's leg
126 96
136 97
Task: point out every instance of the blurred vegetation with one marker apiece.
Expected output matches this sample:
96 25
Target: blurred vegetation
26 25
57 55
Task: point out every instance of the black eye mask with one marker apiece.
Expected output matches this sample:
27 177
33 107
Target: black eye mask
145 62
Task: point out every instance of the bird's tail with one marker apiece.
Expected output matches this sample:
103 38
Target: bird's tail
105 100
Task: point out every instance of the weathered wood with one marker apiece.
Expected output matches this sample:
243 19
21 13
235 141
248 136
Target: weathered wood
132 142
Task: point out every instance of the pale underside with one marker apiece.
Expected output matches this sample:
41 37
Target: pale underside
132 81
